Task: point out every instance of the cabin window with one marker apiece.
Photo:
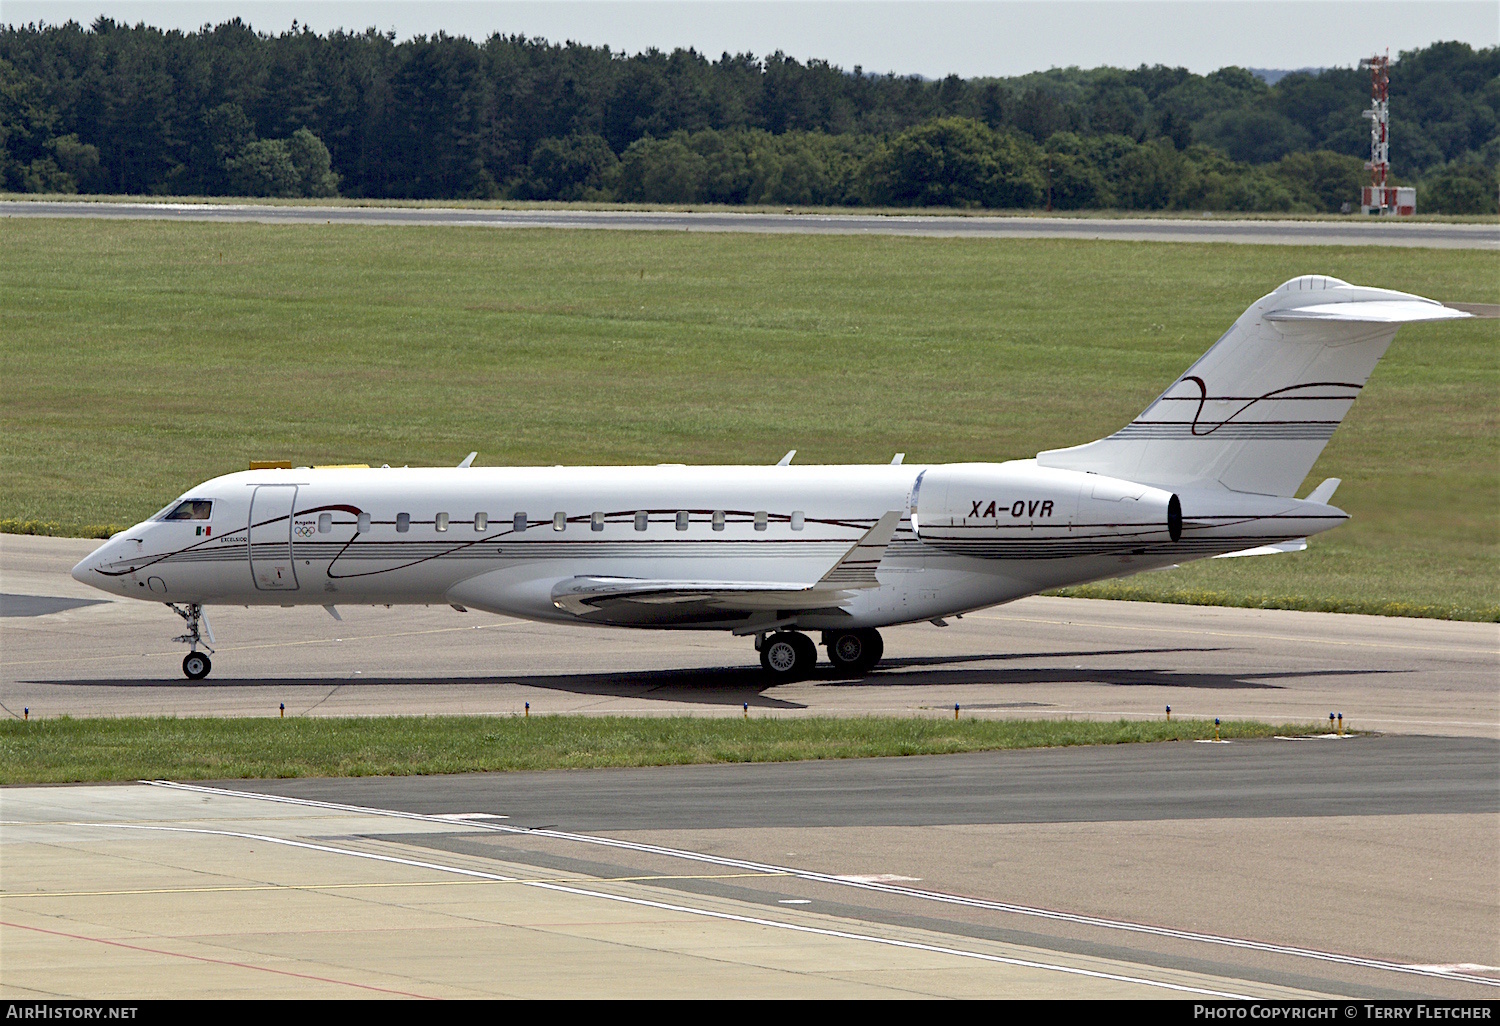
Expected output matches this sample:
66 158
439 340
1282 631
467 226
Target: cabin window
761 519
325 523
682 520
192 509
642 519
518 523
596 521
718 520
797 520
363 523
403 522
441 522
559 521
481 521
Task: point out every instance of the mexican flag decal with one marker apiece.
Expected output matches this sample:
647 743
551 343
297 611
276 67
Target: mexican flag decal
205 531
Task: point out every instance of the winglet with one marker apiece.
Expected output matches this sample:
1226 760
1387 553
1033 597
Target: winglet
1324 491
857 568
468 461
786 461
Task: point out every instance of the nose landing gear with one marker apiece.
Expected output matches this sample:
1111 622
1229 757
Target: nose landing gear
195 664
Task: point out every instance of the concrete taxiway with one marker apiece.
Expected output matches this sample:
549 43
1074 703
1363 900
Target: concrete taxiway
154 890
1352 232
68 649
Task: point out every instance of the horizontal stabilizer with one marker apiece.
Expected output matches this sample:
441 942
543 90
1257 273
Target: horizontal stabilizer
1294 545
1395 311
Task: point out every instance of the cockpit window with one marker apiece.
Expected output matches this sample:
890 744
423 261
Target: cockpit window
192 509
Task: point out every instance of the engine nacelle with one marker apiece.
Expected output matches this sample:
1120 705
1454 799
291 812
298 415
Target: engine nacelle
988 509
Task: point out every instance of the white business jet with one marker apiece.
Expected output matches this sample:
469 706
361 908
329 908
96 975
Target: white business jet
774 552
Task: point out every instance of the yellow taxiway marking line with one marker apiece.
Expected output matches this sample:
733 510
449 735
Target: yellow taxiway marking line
352 886
1241 634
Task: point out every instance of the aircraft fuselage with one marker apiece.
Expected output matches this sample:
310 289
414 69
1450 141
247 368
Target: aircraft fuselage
504 539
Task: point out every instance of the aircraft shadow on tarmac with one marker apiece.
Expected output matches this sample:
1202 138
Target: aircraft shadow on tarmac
734 685
42 605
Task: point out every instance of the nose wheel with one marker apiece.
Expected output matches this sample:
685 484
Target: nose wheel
195 664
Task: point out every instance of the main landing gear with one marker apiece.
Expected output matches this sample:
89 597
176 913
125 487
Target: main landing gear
854 652
791 655
195 664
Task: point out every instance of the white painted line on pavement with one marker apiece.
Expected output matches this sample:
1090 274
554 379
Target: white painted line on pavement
691 910
910 892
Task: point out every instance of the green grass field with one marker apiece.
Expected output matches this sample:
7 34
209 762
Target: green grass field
67 750
141 358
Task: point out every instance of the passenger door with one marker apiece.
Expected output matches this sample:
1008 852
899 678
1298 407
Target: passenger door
270 534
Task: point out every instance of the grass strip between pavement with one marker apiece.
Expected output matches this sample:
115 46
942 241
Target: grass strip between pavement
67 750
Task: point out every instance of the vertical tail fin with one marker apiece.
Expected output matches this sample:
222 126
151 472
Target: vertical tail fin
1256 410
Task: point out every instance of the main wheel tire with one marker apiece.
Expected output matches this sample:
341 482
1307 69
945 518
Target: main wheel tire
855 651
807 654
787 655
196 665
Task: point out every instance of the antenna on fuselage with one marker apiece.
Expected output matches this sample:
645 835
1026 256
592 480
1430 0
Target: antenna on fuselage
468 461
786 461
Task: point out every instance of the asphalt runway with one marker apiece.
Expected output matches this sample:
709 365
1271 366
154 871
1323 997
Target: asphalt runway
1353 232
68 649
1386 776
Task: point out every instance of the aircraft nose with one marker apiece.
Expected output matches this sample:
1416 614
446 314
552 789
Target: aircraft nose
83 572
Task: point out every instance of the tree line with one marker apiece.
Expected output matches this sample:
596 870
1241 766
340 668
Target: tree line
228 111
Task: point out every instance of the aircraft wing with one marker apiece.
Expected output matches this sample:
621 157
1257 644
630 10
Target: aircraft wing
639 598
584 595
1294 545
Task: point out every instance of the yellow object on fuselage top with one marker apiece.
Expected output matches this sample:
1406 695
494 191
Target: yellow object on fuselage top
270 464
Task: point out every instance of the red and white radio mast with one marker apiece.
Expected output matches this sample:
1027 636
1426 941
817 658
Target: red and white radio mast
1379 164
1380 198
